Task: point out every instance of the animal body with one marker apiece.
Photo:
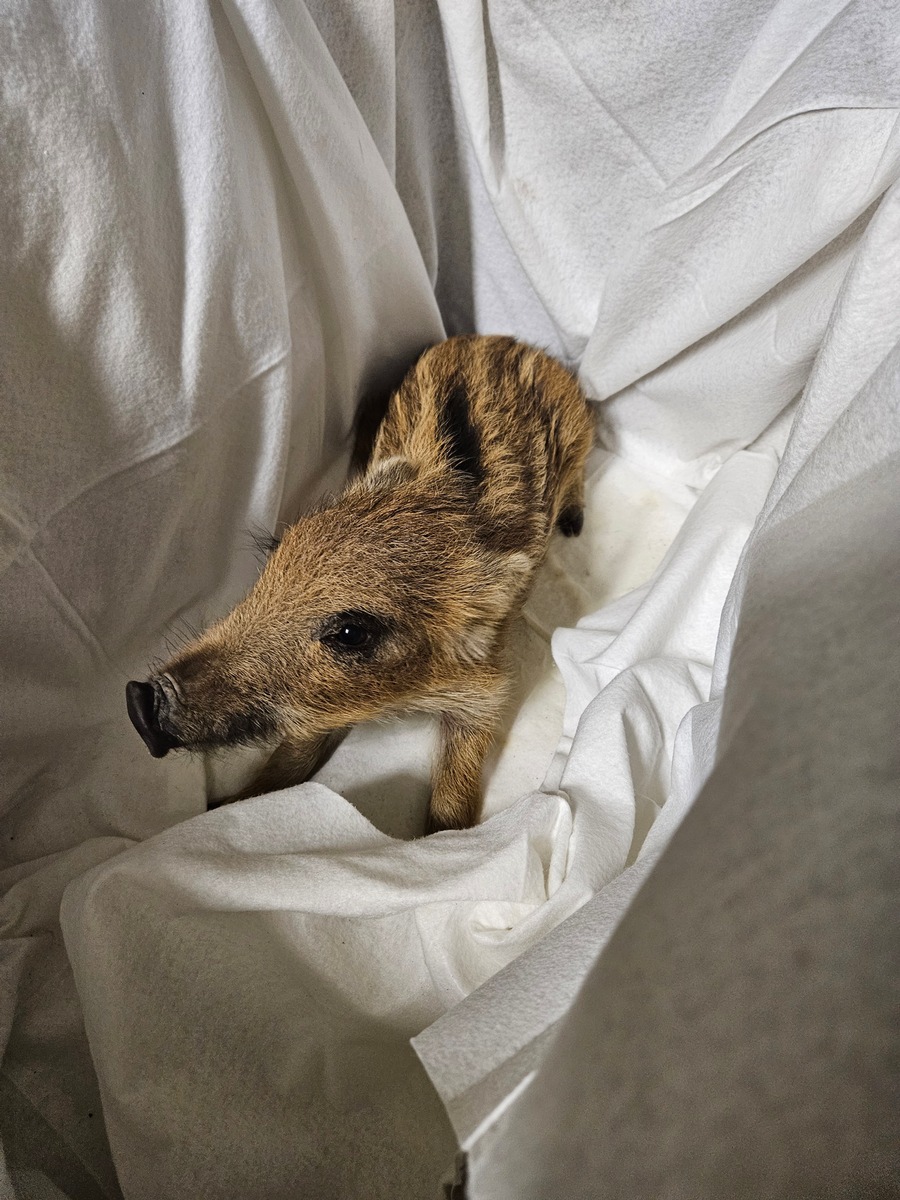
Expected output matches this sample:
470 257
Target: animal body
397 595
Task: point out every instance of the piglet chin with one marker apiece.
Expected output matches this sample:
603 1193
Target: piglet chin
142 701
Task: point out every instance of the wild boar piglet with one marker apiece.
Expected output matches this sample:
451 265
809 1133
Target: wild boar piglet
397 596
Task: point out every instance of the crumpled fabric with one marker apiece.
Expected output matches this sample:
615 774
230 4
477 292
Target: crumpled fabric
223 224
738 1033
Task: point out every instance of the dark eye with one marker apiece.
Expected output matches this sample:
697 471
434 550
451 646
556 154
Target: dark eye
356 633
352 636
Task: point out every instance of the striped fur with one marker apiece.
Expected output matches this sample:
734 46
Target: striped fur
397 596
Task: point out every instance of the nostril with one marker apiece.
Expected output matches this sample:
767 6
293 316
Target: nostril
142 701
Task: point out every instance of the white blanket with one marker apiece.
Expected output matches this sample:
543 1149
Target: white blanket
221 225
738 1034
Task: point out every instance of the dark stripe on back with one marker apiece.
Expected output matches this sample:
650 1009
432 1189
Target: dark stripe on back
457 431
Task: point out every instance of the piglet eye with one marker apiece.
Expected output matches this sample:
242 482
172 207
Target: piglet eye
351 636
354 633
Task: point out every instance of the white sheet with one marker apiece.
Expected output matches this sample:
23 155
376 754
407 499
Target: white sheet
220 227
746 1005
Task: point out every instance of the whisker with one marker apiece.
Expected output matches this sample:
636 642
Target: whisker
263 541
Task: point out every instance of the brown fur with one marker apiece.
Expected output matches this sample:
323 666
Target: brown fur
427 556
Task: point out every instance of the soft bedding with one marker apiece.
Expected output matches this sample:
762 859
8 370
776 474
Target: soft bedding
224 224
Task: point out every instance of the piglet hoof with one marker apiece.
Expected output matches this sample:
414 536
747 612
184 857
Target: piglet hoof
570 521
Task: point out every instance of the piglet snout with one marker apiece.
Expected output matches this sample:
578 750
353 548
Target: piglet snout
143 701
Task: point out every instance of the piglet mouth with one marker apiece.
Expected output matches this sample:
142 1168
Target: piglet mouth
145 703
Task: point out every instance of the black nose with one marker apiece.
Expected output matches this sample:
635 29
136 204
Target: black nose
143 700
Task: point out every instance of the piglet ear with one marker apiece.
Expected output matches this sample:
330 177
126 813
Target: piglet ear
477 642
514 573
507 578
389 473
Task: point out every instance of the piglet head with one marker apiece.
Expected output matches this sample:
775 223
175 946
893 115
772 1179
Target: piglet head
368 606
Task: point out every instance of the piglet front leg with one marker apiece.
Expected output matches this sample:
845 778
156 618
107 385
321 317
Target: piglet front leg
456 788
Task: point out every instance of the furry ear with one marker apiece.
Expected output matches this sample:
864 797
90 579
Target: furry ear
477 642
506 581
515 573
389 472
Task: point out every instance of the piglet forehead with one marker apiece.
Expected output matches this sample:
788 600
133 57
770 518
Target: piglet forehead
321 569
357 556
